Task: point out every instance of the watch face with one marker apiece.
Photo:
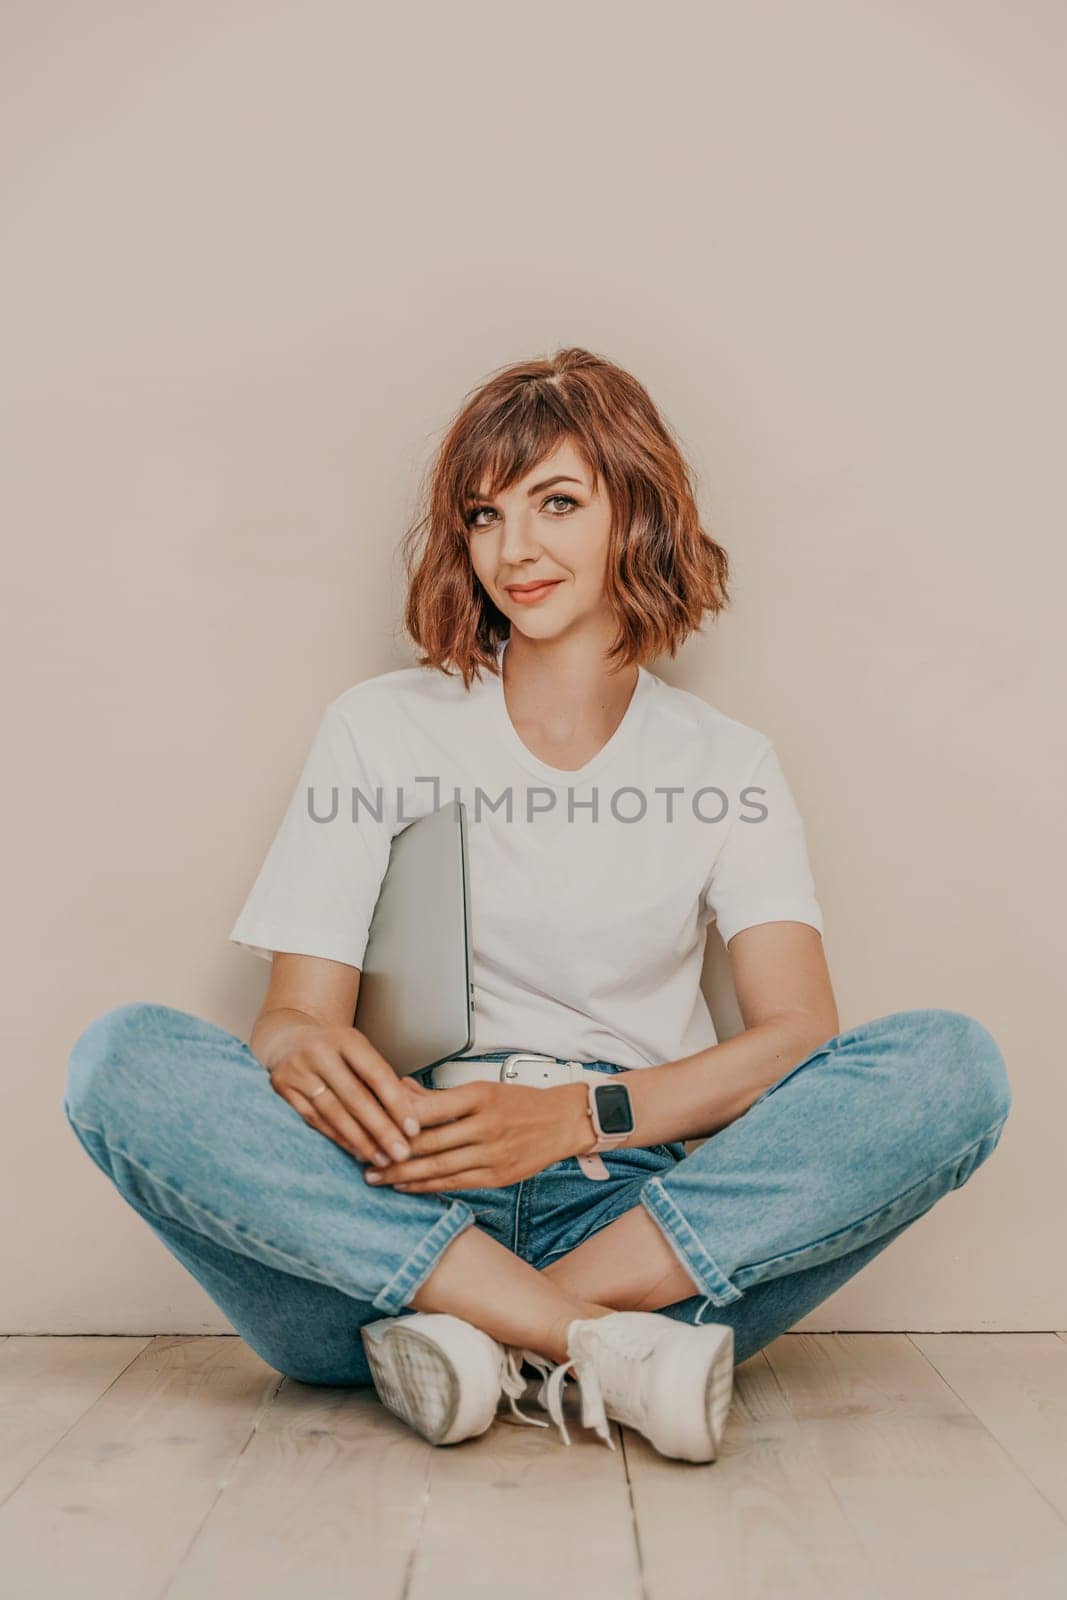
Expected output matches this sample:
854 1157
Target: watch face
614 1109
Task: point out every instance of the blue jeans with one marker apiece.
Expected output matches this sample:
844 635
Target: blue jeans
770 1215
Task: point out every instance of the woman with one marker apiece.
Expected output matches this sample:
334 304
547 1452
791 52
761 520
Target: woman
356 1227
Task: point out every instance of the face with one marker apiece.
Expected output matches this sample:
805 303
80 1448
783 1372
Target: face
549 527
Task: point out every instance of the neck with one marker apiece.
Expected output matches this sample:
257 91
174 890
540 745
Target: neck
565 685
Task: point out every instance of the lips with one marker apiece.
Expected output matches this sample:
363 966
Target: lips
520 589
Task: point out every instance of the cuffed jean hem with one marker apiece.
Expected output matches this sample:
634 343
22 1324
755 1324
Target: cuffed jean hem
686 1245
905 1207
407 1279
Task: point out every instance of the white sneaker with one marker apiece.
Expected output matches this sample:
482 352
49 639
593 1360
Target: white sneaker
441 1375
672 1381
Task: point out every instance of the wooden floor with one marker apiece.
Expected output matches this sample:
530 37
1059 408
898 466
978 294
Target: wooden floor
854 1465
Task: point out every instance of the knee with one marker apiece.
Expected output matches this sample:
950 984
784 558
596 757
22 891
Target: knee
104 1056
970 1073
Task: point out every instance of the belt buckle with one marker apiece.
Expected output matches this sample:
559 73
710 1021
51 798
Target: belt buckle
508 1069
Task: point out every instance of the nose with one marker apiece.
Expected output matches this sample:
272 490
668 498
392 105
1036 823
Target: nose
517 540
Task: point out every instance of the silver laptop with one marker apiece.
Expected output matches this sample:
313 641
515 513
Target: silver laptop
416 995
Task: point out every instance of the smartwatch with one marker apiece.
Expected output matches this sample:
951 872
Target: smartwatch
612 1114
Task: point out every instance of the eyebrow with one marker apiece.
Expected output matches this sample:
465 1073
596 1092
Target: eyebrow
546 483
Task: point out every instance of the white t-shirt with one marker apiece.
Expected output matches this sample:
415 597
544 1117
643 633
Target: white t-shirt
590 902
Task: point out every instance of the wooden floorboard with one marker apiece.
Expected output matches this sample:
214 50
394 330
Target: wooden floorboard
46 1385
521 1514
934 1499
866 1466
326 1498
1017 1387
114 1505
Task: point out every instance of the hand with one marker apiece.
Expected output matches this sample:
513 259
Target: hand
366 1108
487 1135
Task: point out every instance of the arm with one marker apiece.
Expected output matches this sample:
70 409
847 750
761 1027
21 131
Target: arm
787 1003
304 991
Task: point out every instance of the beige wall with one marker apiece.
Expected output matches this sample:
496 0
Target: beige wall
252 257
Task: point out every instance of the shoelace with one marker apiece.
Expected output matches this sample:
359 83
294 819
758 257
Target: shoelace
550 1393
617 1348
514 1384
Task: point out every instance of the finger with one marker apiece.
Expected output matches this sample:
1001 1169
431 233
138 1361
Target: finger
417 1096
475 1178
473 1129
442 1105
443 1164
355 1113
362 1146
371 1067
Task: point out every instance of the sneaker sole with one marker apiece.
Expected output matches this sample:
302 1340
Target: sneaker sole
413 1378
718 1391
701 1438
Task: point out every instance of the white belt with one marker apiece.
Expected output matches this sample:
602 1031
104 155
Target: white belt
523 1066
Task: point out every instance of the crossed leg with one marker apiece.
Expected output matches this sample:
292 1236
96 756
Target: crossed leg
827 1167
764 1220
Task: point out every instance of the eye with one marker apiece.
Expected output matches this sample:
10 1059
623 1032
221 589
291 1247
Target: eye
475 511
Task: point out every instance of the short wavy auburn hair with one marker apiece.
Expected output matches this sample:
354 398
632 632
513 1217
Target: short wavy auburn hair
663 571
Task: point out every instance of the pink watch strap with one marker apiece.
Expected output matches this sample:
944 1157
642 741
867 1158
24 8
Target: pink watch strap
591 1163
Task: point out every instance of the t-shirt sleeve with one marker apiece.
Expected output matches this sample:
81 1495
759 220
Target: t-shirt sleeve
762 872
317 888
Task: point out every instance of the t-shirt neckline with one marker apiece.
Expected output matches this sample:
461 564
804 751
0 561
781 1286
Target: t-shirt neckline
560 776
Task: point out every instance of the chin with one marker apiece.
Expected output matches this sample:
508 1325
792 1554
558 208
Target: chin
539 627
